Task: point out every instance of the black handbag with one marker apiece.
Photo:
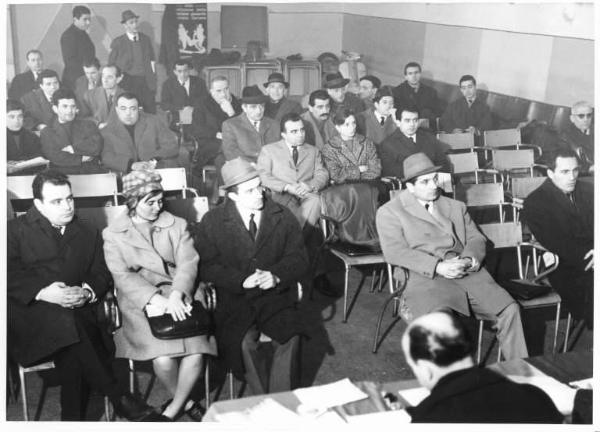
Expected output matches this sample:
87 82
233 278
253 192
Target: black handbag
525 290
108 313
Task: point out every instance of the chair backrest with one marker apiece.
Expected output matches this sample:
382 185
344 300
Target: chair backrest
482 194
512 159
458 141
190 209
521 187
233 73
173 179
503 235
463 162
502 138
99 217
256 73
304 76
19 187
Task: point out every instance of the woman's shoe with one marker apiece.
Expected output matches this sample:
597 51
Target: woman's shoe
196 411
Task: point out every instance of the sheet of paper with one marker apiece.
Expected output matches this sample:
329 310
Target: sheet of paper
330 395
561 394
379 420
268 411
37 161
414 396
584 384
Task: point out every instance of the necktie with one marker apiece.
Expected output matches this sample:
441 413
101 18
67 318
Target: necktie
58 230
109 100
414 139
470 102
135 38
256 125
295 155
252 227
572 200
381 120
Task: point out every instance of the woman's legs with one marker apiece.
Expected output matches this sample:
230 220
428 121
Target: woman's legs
179 377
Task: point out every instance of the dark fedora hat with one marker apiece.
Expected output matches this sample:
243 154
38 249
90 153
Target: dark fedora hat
236 171
335 80
276 77
253 95
127 15
416 165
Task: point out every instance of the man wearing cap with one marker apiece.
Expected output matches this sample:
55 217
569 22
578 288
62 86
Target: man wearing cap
246 134
317 121
368 86
278 104
134 54
132 136
76 46
378 122
336 86
251 248
408 139
294 171
434 238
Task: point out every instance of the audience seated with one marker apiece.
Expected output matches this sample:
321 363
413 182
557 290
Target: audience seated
26 81
98 103
468 113
438 349
560 214
245 134
21 144
38 102
294 171
88 81
350 157
409 139
72 145
153 262
182 91
579 135
56 275
252 249
368 86
317 123
337 89
378 122
278 105
413 93
132 136
77 48
434 238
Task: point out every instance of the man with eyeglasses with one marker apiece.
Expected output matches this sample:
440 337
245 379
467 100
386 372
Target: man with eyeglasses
468 113
579 135
251 248
434 238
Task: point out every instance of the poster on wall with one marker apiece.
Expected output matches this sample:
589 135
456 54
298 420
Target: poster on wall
184 32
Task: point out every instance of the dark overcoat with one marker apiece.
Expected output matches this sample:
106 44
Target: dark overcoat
37 109
77 48
121 54
38 256
228 255
22 83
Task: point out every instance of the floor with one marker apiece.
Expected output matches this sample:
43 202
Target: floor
334 351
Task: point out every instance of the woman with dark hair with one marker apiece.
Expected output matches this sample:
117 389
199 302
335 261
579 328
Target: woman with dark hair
350 157
154 265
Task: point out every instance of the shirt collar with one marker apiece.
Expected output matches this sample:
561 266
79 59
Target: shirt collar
245 214
130 36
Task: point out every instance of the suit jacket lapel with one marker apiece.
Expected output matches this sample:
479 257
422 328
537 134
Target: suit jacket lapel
234 224
268 221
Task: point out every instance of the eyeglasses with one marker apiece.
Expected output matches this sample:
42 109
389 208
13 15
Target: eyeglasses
582 116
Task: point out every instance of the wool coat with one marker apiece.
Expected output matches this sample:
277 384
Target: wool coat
241 139
153 139
77 48
397 147
343 160
276 111
37 109
137 267
459 115
28 145
313 135
121 54
37 257
85 139
228 255
412 238
95 104
567 231
368 125
581 143
21 84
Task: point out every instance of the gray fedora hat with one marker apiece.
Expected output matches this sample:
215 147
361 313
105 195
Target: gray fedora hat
127 15
236 171
416 165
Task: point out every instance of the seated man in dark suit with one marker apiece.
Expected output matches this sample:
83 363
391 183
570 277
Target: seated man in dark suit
337 88
21 145
88 81
407 140
438 349
468 113
252 249
72 145
414 93
278 105
560 214
99 102
378 122
182 91
133 136
38 102
368 86
26 81
56 274
579 135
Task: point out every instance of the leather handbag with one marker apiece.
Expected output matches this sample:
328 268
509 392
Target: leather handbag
108 313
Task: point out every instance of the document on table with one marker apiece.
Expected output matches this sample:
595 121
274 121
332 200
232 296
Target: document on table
561 394
381 419
414 396
330 395
266 411
584 384
21 165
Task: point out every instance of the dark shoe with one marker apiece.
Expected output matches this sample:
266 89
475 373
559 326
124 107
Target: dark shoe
196 412
132 408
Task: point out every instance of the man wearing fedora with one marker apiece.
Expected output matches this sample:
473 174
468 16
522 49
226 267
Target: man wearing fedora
245 134
251 248
434 238
134 54
278 104
336 86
